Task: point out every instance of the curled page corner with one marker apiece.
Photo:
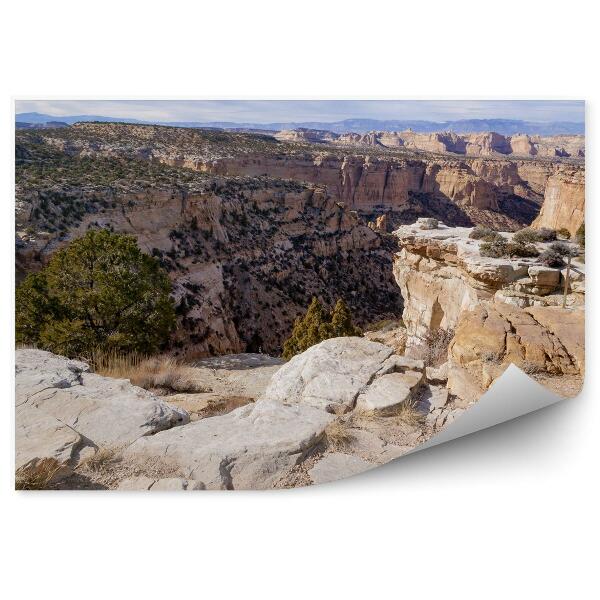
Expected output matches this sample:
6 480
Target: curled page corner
512 395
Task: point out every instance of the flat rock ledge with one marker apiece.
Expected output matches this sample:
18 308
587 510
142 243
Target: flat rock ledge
66 413
249 448
61 408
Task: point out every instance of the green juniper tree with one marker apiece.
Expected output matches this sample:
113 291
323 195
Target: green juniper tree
318 325
99 293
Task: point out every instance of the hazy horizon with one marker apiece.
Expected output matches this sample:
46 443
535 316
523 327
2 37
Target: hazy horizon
269 111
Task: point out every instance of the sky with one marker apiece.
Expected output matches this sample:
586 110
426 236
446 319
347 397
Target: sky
267 111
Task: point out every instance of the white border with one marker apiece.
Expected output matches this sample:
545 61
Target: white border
509 512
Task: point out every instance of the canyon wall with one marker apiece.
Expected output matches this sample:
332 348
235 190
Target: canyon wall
475 189
448 142
448 286
564 201
492 188
244 260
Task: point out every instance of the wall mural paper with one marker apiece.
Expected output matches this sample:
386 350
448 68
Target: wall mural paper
254 302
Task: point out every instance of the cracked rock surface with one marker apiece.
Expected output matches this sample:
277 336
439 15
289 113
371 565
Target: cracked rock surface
249 448
62 408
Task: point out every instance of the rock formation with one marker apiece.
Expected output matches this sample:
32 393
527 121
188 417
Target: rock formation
498 310
548 340
442 274
564 202
497 189
64 412
449 142
67 414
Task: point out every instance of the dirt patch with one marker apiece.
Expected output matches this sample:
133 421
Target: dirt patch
105 469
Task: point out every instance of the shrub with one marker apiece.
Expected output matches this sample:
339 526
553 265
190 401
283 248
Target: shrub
526 236
563 233
495 249
546 235
480 232
494 236
100 292
521 250
553 259
317 325
564 249
433 350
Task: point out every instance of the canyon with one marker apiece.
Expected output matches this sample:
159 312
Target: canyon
249 227
502 190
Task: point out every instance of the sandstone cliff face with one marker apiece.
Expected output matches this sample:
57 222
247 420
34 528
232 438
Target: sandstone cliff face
505 194
499 310
366 183
441 274
546 342
474 144
564 202
493 189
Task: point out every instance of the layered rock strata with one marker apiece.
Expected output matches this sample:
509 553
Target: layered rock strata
497 311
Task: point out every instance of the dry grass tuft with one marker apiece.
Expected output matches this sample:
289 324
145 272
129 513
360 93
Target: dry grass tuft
38 475
434 349
108 467
338 434
160 374
407 413
222 406
102 460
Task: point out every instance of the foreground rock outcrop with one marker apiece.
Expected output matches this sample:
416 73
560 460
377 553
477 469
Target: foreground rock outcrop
348 402
63 411
249 448
490 312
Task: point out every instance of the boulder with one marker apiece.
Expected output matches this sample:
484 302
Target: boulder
39 436
540 340
337 466
330 375
437 374
61 408
544 276
389 391
249 448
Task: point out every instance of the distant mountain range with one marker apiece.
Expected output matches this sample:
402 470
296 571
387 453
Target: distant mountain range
502 126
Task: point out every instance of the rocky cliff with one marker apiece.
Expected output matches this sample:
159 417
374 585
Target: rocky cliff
449 142
493 188
447 286
564 201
